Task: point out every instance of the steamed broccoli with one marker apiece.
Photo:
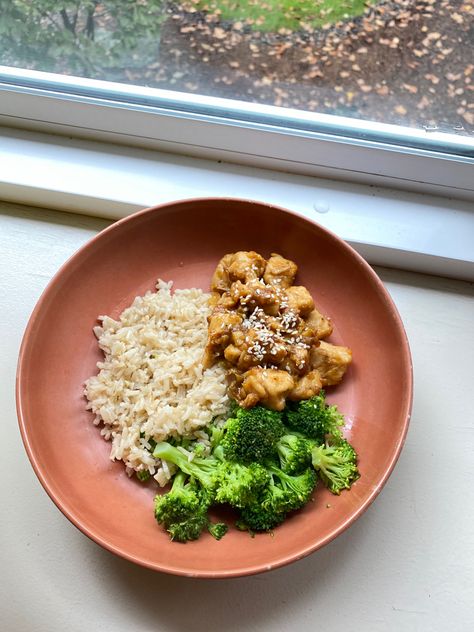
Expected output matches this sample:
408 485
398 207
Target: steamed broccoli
183 510
294 452
293 491
216 434
264 463
315 419
336 465
258 518
189 529
251 434
202 469
238 485
143 475
217 529
198 449
284 493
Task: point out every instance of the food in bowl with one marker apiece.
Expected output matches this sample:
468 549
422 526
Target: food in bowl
221 395
152 385
268 330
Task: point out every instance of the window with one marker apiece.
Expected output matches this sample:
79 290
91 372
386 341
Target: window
374 91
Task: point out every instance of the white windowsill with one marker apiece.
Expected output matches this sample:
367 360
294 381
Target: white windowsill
388 227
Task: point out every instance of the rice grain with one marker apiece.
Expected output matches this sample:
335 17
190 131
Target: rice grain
151 383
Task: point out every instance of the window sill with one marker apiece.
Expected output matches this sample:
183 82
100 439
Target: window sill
388 227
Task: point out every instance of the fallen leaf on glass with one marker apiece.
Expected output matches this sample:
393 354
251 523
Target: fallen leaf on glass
468 117
400 109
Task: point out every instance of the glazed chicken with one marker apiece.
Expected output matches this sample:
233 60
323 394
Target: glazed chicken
299 300
239 266
269 332
267 386
321 325
331 362
279 271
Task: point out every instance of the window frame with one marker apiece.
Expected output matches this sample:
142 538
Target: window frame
393 228
244 133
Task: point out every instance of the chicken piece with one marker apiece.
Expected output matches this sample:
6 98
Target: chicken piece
232 354
240 357
321 324
245 266
279 271
331 362
214 299
238 337
268 386
220 281
234 383
273 324
299 300
306 334
297 360
253 347
220 328
265 345
221 325
256 294
227 301
306 387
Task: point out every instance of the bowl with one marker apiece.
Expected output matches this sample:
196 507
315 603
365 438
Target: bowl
182 241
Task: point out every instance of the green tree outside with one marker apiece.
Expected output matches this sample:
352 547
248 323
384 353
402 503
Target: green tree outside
80 36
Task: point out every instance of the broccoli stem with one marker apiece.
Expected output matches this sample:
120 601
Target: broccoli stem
203 469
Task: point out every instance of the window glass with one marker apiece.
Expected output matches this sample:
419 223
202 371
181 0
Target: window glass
393 61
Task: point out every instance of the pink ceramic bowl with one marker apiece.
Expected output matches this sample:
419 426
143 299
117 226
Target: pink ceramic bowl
183 241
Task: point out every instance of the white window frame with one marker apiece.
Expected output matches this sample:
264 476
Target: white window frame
243 133
399 206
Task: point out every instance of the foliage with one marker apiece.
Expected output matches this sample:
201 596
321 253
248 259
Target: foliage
83 37
272 15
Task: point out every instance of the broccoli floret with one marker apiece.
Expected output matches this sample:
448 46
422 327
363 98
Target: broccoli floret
315 419
284 493
183 510
189 529
143 475
239 485
217 529
251 435
233 408
292 492
258 518
336 465
218 453
199 449
202 469
216 434
295 453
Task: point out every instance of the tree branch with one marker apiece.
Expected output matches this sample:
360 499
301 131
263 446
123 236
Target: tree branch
90 24
67 22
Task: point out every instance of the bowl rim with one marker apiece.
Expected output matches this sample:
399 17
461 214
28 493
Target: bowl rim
254 569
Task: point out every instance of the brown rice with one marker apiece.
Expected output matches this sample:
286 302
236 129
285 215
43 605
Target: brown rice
151 383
